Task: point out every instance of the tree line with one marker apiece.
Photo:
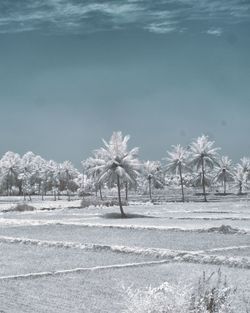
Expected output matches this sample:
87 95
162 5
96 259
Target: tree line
115 165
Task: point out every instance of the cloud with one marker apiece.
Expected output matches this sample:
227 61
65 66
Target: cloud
93 15
161 28
214 31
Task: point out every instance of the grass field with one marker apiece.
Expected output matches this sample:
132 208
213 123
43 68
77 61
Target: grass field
80 260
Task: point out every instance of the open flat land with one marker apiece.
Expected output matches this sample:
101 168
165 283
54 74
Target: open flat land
63 258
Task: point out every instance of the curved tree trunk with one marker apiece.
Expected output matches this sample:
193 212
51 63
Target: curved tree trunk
182 187
203 180
119 196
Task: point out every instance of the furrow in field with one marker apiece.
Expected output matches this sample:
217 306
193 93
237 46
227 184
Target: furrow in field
79 270
225 229
166 254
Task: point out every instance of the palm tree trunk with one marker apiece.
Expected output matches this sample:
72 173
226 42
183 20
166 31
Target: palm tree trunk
126 191
225 184
119 196
203 180
150 188
182 187
240 189
100 190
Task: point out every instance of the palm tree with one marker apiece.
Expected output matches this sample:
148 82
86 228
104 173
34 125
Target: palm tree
240 178
177 162
203 155
245 164
151 171
224 171
117 164
91 168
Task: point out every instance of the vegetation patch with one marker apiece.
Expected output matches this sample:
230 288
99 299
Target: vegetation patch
93 201
21 207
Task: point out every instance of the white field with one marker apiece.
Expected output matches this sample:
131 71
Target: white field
68 259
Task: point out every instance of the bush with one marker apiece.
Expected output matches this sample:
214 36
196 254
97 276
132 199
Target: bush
210 295
22 207
92 201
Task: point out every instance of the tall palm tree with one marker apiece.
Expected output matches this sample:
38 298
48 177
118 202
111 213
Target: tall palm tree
224 171
177 162
117 164
203 155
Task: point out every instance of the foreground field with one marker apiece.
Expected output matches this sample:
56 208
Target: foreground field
80 260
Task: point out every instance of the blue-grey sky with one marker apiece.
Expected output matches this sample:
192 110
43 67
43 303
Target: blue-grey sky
162 71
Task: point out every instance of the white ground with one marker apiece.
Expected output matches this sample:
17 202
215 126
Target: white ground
79 260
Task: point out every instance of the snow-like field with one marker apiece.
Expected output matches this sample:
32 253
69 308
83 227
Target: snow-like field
79 260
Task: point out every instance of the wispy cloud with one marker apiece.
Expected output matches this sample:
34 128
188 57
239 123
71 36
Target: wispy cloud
92 15
214 31
161 28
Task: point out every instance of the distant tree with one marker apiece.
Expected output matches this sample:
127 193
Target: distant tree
240 178
52 178
117 164
177 162
91 168
27 176
203 156
67 176
152 173
245 164
10 167
42 173
224 171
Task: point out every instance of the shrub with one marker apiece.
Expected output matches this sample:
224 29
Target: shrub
92 201
22 207
210 295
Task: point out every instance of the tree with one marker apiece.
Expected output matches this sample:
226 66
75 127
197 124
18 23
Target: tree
151 172
67 174
93 172
27 177
224 171
116 164
52 177
177 163
10 166
240 178
245 164
203 155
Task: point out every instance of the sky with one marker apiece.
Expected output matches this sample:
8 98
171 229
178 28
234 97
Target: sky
165 72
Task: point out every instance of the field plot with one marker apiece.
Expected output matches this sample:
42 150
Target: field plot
80 260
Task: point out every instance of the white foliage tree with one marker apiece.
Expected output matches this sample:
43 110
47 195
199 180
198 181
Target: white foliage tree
10 166
203 155
91 168
224 171
177 162
67 176
152 173
27 177
245 164
240 178
116 164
